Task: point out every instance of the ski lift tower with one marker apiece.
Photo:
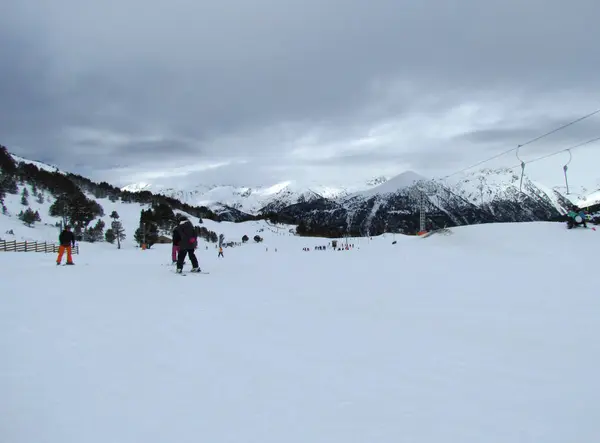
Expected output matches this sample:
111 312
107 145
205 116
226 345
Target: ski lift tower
422 214
425 202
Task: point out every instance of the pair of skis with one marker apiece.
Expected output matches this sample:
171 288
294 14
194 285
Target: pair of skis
184 273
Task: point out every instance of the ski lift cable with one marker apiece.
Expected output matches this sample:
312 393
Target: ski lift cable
543 157
525 144
523 163
565 150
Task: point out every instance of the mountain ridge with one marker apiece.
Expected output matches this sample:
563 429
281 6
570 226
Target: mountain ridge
381 205
254 200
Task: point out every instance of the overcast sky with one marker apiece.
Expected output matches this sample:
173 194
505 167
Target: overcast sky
184 92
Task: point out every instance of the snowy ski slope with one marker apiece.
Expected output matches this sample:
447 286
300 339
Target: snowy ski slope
487 335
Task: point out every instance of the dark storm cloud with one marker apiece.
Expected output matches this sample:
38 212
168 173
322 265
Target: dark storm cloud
432 159
156 84
568 136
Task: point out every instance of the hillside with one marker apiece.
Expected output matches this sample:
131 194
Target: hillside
47 229
369 345
52 198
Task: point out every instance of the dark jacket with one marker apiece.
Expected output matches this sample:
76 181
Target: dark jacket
187 232
66 238
176 237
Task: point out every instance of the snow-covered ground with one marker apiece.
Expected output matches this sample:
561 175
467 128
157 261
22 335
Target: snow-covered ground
487 335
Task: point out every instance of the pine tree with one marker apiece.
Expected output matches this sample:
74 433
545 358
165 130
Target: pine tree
163 216
29 217
221 239
60 208
24 196
118 231
110 236
10 185
40 198
147 233
76 209
95 233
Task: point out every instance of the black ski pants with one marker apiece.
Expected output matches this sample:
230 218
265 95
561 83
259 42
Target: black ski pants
181 258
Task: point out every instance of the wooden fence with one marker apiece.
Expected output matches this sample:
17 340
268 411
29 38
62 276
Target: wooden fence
31 246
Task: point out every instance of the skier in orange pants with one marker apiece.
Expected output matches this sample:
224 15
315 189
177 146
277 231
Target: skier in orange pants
66 239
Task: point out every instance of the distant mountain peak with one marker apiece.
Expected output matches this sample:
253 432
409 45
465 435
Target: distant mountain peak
38 164
376 181
137 187
395 184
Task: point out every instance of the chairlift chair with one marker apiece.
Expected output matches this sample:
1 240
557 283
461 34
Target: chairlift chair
565 167
522 168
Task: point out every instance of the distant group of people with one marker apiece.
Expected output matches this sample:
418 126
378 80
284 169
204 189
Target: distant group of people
333 247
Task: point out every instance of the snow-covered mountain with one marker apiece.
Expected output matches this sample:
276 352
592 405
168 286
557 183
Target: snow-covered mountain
255 200
494 189
391 186
583 196
395 206
36 163
377 181
591 199
137 187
